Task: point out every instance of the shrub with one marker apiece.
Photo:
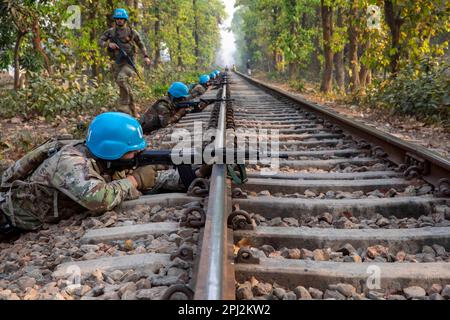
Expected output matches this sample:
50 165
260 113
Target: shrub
420 90
297 85
59 94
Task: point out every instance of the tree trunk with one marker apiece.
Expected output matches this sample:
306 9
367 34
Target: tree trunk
196 36
37 44
95 69
353 60
315 65
180 57
327 28
364 69
19 38
394 21
339 57
275 51
109 16
369 78
157 42
293 70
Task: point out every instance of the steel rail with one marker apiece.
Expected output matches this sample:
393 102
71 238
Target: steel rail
430 166
213 269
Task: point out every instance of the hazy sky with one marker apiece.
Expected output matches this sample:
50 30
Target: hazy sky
228 47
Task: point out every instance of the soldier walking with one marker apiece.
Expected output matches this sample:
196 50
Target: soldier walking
122 36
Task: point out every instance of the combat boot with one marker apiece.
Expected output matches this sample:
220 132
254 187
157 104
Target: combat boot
8 232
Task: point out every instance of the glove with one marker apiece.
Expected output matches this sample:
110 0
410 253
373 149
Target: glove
145 177
118 175
205 171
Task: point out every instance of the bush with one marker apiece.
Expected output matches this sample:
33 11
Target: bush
59 94
297 85
70 94
276 76
421 91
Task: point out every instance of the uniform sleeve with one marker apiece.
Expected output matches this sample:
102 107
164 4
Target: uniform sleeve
138 40
198 91
77 179
104 39
177 116
162 109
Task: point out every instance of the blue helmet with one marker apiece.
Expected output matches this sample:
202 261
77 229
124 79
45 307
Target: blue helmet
179 90
120 14
113 134
212 75
217 72
204 79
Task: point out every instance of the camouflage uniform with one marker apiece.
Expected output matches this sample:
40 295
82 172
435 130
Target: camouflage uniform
198 90
71 182
123 71
162 113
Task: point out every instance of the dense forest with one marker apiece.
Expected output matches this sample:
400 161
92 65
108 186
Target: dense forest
59 68
387 53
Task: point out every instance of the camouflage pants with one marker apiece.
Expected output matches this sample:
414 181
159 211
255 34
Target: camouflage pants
122 75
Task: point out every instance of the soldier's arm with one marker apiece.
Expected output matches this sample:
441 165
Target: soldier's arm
195 93
77 179
162 110
104 39
177 116
138 40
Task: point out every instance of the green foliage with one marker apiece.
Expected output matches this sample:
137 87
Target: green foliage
275 76
79 80
61 94
420 90
298 85
284 38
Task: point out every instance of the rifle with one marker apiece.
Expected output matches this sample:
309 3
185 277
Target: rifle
124 55
186 158
196 104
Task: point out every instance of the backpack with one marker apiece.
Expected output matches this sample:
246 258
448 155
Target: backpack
25 166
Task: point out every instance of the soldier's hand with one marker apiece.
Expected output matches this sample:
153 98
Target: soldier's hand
145 177
147 61
113 46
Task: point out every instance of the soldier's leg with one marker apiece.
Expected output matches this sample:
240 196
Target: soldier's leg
126 92
116 68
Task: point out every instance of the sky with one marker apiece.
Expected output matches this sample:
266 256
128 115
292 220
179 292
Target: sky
228 46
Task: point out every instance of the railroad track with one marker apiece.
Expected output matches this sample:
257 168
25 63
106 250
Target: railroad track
142 250
338 220
343 218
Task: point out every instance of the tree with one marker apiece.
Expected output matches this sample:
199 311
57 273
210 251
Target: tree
327 27
339 55
395 21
